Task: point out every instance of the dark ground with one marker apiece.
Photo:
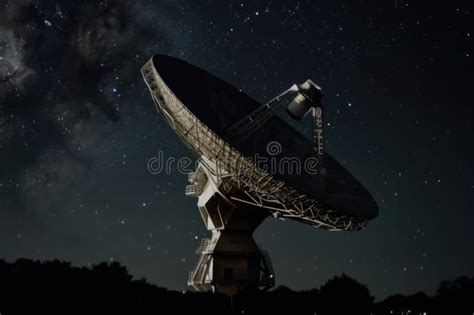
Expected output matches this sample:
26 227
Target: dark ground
55 287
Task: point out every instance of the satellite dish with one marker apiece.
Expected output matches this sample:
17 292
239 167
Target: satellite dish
225 129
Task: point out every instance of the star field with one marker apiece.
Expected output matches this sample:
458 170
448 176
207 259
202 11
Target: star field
77 128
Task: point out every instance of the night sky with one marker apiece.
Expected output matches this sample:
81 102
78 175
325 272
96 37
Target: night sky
77 127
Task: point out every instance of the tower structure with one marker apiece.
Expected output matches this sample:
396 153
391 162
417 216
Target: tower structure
225 129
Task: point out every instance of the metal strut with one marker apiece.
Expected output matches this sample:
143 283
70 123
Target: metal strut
250 123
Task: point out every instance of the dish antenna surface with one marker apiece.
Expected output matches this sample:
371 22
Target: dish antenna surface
251 164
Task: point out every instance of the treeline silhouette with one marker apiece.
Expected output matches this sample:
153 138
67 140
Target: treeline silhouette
55 287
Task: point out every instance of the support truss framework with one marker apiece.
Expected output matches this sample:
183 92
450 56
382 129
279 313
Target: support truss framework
259 187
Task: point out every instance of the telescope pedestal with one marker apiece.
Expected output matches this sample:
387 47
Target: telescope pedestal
230 260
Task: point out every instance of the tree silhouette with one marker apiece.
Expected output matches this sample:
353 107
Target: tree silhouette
458 294
55 287
344 293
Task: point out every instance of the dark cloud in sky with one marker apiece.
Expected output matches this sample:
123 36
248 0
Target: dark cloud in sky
77 47
63 63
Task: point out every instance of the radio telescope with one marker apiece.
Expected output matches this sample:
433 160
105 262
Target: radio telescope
225 129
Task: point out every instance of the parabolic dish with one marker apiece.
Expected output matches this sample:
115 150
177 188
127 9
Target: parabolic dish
201 108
